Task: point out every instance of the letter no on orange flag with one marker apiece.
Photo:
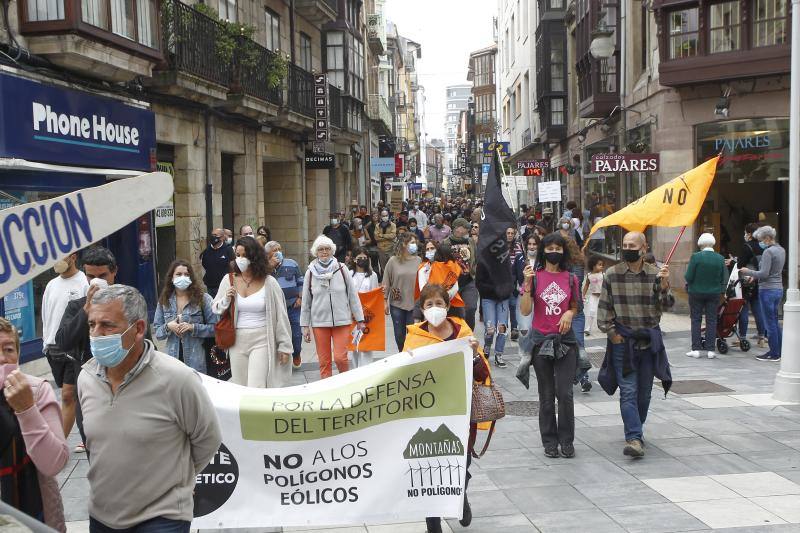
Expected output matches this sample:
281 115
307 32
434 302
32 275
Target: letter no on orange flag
374 338
674 204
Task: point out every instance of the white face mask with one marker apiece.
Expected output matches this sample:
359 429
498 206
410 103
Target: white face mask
334 221
100 282
243 263
435 315
430 254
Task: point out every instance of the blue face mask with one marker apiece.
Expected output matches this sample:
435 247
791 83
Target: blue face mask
278 256
762 245
325 262
108 350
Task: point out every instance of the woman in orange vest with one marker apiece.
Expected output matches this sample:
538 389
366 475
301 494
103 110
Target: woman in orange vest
439 268
434 300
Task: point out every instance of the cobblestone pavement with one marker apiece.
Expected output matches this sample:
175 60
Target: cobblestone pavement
715 460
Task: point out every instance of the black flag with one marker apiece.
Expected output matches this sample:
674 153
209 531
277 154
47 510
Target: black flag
494 278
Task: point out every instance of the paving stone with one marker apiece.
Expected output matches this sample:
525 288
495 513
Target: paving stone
592 472
606 495
515 523
726 463
535 500
571 521
493 503
736 512
785 507
654 518
687 446
748 443
758 484
690 488
650 467
514 478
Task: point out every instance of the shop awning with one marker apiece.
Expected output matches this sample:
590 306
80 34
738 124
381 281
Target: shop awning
7 163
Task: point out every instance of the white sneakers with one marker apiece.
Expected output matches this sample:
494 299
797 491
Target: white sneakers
698 354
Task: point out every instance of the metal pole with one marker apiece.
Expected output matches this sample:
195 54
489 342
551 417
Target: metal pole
787 382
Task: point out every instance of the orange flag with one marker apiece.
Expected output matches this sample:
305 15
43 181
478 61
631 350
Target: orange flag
374 338
446 275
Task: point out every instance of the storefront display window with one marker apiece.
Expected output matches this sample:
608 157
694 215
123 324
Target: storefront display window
753 150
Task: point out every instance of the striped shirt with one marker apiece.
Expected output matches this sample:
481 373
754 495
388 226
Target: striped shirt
633 299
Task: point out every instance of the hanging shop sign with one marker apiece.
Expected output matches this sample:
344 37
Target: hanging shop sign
490 148
50 124
334 452
549 191
533 163
37 234
625 163
317 161
165 213
321 110
381 164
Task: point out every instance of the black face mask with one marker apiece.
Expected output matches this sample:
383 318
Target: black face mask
214 240
554 258
630 256
363 263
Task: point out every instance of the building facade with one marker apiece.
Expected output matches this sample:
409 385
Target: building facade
486 128
457 100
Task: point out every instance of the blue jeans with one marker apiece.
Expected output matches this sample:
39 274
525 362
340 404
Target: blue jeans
297 332
155 525
635 389
770 304
400 319
758 314
513 301
578 327
495 317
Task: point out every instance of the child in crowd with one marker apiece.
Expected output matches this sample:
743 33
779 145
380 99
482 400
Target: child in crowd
592 286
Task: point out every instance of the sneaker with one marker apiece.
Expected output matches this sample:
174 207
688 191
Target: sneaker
514 336
296 361
466 519
693 353
568 451
498 361
633 448
551 452
587 333
712 355
768 357
586 385
80 448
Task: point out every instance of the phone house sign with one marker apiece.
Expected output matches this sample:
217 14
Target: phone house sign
98 128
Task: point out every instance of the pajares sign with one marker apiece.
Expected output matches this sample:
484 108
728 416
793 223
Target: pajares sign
625 163
52 124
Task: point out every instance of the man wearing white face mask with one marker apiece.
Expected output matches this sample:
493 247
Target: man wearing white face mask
70 284
153 396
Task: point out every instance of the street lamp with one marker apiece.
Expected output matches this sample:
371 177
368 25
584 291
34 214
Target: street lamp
787 382
602 45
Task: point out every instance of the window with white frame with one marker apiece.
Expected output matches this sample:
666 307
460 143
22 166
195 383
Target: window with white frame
334 55
227 10
273 27
305 52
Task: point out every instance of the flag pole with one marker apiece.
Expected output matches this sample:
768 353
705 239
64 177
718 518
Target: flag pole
674 246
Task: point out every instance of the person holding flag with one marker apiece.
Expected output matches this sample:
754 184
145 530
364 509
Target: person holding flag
494 277
635 293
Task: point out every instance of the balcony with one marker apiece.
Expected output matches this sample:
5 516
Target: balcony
317 11
84 37
376 33
250 91
379 113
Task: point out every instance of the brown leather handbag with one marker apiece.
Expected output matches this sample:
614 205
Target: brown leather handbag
487 406
225 329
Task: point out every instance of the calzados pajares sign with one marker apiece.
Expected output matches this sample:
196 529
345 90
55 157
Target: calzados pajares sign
625 163
35 235
382 443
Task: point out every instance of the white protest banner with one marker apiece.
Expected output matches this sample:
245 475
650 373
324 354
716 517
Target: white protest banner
378 444
35 235
549 191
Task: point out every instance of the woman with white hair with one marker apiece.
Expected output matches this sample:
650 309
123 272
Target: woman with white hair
329 305
706 281
770 288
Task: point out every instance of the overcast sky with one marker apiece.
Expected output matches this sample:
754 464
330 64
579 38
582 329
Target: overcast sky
448 31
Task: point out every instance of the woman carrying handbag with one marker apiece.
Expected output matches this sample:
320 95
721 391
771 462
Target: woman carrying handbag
261 351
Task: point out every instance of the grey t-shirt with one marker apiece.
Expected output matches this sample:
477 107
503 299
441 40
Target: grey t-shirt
769 275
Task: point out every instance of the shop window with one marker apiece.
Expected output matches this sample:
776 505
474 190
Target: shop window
305 52
40 10
273 27
724 34
683 33
769 22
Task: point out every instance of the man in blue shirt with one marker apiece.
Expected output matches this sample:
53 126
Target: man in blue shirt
290 278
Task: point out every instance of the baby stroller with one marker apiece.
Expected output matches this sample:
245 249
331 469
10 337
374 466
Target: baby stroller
728 321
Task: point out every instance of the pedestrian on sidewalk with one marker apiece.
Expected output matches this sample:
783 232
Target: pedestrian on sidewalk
100 267
260 354
69 285
216 260
553 293
385 235
287 272
364 280
464 253
439 327
592 288
184 316
634 295
33 448
496 309
531 244
340 235
398 282
157 400
749 258
329 305
438 231
770 288
515 249
706 281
